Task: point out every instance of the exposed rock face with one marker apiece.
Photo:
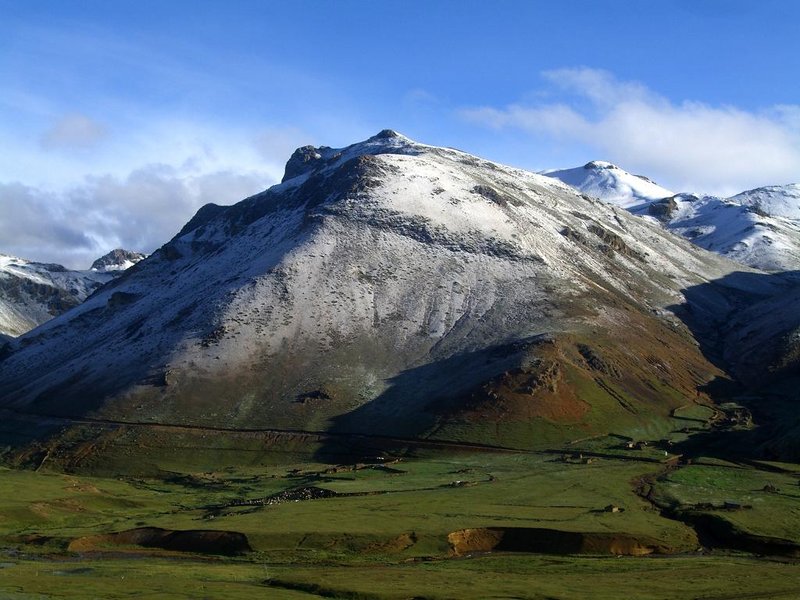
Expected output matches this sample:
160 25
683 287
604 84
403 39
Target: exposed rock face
117 260
393 288
299 162
663 210
553 541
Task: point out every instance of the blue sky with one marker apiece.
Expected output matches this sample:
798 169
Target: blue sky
119 119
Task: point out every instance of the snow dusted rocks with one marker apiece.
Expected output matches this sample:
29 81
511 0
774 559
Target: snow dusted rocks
387 287
117 260
774 200
759 228
32 293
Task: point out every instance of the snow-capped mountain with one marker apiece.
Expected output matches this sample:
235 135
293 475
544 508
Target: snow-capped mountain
773 200
736 231
389 287
759 228
117 260
608 182
32 293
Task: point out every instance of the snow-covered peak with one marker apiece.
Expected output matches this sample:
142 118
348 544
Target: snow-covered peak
600 164
773 200
117 260
610 183
759 228
309 159
369 267
32 293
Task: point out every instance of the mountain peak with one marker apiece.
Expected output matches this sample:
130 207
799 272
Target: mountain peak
773 200
116 260
600 164
310 159
387 134
610 183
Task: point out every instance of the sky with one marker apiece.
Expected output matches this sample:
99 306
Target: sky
118 120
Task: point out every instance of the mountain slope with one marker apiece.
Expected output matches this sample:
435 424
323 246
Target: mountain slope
32 293
739 232
755 228
388 287
773 201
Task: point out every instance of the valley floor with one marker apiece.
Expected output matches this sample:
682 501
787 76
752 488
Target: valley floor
593 520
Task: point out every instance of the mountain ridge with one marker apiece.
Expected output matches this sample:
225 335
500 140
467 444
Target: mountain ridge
759 228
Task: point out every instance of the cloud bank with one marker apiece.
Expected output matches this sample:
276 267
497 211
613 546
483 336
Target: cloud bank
115 202
687 145
139 212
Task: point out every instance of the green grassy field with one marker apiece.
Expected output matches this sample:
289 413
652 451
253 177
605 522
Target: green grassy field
385 532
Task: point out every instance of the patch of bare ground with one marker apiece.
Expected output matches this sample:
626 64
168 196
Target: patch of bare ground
397 544
202 541
551 541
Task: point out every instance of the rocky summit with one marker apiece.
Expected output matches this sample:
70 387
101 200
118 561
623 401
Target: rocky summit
396 288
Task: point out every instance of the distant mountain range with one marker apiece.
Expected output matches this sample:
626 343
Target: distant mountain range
759 228
32 293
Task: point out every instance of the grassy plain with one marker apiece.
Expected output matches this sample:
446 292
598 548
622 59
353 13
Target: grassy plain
385 534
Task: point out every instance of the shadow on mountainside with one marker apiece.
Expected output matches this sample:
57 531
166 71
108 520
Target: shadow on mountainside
746 324
758 405
417 398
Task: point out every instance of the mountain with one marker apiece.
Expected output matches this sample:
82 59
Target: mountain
608 182
740 232
393 288
773 201
117 260
759 228
32 293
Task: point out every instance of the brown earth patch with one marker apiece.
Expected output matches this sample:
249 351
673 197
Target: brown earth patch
397 544
203 541
551 541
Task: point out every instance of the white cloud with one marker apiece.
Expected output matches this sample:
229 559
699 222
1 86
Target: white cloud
139 212
420 97
73 131
72 207
687 145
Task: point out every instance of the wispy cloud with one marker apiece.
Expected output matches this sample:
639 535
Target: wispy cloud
72 132
688 145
